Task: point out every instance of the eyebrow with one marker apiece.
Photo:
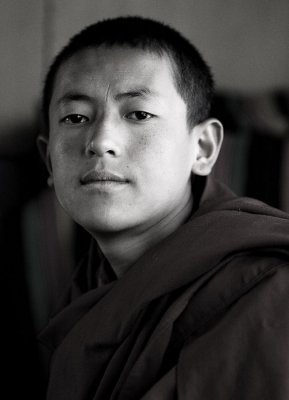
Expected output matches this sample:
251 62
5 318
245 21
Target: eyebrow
136 92
133 93
73 96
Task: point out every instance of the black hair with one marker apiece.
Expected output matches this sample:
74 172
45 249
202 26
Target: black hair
193 77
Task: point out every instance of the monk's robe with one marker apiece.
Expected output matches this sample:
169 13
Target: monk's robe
202 315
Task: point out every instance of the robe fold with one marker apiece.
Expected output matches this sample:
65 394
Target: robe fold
201 315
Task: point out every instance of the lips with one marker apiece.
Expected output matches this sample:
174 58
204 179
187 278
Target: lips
101 177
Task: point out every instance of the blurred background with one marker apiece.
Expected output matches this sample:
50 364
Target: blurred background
247 45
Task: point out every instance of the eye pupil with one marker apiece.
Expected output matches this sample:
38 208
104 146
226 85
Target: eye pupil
74 119
141 115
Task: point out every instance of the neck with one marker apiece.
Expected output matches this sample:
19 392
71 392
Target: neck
123 249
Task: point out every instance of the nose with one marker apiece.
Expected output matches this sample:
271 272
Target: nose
104 139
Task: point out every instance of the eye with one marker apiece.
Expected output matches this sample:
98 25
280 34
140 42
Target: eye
138 115
74 119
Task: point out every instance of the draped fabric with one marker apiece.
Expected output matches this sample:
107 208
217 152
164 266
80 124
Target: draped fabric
184 319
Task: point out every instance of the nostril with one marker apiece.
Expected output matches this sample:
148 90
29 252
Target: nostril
98 148
90 149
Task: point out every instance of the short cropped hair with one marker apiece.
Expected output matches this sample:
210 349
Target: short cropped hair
193 78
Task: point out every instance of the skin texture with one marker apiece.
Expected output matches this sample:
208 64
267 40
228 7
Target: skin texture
120 151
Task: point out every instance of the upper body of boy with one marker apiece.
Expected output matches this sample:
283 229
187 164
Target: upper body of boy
185 289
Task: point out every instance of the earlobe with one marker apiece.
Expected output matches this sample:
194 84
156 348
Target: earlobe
208 137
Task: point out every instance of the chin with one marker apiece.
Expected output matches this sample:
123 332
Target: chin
102 225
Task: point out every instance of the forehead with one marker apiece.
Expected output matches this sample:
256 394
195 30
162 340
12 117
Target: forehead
115 69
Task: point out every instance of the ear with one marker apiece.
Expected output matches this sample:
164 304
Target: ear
43 148
207 142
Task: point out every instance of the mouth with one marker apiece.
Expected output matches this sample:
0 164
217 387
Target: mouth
102 178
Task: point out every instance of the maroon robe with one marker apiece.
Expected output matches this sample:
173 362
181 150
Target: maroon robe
202 315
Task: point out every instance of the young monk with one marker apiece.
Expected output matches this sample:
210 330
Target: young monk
184 293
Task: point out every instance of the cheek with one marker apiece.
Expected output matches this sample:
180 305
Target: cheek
64 153
146 153
160 152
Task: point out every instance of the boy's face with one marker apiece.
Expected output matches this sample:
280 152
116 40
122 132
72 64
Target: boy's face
119 145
